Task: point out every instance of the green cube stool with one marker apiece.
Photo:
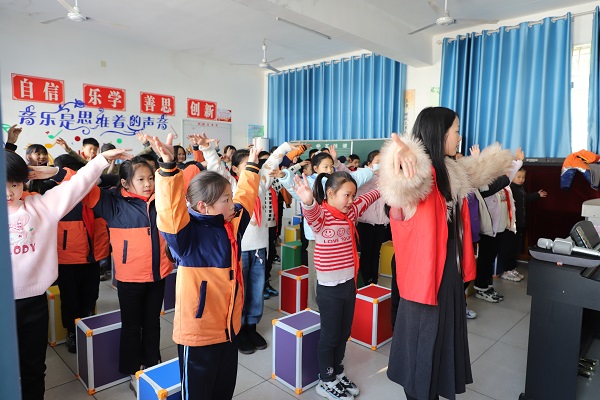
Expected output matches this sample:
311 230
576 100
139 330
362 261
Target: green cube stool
291 255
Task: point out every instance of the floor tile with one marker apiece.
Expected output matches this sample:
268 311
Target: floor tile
246 380
519 335
500 372
263 391
478 345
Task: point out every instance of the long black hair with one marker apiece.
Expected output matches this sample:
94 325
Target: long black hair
430 127
334 182
318 158
128 168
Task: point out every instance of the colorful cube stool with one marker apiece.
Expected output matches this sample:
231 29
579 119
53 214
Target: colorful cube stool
169 298
56 332
98 342
291 255
372 325
293 290
297 219
160 382
291 233
295 340
385 259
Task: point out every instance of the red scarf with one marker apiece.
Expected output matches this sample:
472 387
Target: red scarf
337 214
234 255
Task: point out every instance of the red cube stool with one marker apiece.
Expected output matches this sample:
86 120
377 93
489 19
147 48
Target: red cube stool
372 325
293 290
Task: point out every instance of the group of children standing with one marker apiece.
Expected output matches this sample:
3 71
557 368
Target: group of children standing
216 227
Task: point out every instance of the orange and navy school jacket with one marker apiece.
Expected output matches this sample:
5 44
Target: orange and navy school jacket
138 250
82 235
75 245
209 287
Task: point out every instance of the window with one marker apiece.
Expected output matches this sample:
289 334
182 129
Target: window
580 73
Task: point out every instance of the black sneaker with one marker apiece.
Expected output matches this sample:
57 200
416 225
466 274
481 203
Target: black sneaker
496 294
266 294
269 289
487 295
333 390
71 343
348 384
245 345
257 340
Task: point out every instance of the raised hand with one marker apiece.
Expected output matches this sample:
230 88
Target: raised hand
42 172
117 154
475 151
201 140
519 154
164 150
276 173
253 157
142 137
333 152
13 134
303 190
61 142
404 159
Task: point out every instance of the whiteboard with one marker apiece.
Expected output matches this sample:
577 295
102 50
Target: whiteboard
214 130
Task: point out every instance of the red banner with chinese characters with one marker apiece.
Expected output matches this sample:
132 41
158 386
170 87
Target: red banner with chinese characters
33 88
103 97
201 109
152 103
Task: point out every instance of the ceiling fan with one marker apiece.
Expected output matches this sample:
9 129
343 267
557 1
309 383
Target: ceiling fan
74 14
445 19
264 63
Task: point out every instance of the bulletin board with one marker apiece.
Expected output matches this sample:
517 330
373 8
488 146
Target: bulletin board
214 130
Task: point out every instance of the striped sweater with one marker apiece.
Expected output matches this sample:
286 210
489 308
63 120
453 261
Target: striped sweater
334 253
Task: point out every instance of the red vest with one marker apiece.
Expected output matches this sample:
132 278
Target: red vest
420 245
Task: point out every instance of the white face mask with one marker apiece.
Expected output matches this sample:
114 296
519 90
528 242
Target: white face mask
374 167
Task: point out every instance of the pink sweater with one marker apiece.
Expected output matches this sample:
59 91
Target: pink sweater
33 230
334 255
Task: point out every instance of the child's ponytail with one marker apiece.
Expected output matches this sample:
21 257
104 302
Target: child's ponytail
318 188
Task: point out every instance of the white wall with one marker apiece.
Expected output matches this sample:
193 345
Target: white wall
423 79
64 51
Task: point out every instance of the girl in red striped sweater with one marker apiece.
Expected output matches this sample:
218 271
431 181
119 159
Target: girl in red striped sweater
332 218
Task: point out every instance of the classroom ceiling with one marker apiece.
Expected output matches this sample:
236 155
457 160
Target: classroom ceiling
232 31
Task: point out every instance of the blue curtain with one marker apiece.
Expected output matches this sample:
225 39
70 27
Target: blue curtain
356 98
512 86
594 91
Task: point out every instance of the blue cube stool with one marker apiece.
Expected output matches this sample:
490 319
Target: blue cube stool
160 382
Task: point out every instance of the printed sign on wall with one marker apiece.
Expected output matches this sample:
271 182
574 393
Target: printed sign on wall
33 88
152 103
103 97
201 109
223 115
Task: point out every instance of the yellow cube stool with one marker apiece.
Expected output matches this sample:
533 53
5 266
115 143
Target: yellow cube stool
56 332
291 233
385 259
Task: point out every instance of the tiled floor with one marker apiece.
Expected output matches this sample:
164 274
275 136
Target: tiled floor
497 341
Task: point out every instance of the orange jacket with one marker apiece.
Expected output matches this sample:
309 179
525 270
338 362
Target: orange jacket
209 288
138 250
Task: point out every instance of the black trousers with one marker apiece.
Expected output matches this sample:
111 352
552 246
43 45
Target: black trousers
272 253
140 324
32 335
79 289
304 251
488 250
208 372
371 238
336 305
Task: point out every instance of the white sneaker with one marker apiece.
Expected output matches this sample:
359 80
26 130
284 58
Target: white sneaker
471 314
510 275
348 384
518 273
333 391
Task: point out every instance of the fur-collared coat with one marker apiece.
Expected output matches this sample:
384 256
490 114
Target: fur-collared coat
420 213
